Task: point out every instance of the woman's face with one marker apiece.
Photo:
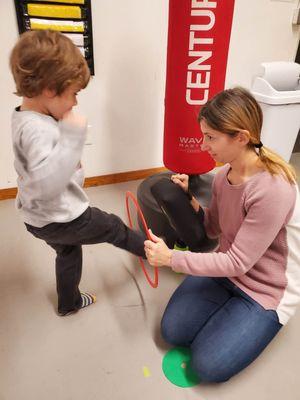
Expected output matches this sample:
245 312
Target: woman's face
221 147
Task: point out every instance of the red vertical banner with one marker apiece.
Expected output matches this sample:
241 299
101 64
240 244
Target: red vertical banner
198 43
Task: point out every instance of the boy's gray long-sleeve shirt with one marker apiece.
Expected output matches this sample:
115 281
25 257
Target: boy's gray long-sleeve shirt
47 161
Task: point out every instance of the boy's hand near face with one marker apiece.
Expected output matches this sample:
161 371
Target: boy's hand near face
77 120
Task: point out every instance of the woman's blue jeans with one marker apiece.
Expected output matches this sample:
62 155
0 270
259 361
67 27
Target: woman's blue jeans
224 327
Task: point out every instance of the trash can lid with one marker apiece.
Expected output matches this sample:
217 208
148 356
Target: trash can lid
265 93
277 82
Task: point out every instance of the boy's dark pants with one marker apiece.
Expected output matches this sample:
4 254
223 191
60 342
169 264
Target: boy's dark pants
93 226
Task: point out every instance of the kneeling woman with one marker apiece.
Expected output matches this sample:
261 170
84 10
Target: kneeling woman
235 299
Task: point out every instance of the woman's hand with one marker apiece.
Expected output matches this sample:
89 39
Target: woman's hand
157 252
181 180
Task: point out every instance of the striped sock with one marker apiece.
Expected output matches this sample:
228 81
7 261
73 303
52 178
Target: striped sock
87 299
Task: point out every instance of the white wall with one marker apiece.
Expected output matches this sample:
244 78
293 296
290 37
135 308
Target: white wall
124 101
262 31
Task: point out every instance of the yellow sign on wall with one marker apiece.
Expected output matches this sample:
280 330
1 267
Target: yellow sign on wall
48 10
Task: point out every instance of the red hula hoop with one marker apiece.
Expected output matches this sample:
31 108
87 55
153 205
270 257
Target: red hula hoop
129 195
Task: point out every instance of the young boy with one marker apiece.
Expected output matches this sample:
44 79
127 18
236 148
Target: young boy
48 140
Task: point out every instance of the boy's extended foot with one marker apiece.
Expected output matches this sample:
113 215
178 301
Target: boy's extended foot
87 300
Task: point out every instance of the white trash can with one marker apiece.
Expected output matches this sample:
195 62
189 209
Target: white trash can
277 90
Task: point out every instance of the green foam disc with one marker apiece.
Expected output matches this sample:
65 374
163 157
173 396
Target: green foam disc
176 367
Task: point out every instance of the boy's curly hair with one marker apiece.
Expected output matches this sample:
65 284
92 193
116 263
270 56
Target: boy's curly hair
46 59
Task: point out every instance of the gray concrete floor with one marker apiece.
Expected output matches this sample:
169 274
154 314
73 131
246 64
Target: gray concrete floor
100 352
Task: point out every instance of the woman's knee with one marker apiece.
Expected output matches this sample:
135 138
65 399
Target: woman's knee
171 331
211 371
168 331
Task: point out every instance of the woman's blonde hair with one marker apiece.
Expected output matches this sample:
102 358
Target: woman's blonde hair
234 110
46 59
